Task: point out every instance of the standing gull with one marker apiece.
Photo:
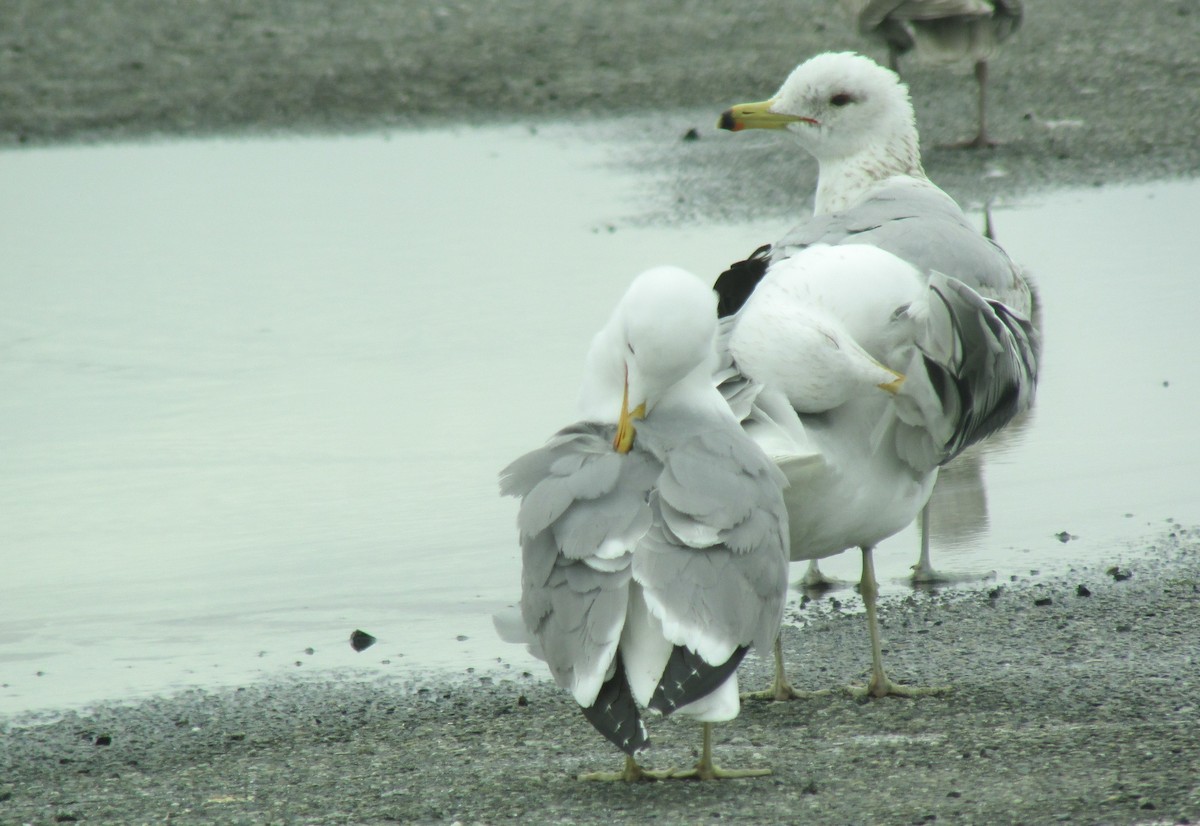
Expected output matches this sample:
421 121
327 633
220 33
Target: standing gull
653 532
978 350
857 120
942 31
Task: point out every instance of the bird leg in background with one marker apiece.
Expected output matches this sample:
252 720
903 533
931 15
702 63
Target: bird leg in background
880 685
781 689
981 140
814 580
630 774
981 75
924 572
705 770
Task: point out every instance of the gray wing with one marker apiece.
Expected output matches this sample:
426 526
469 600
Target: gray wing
918 222
714 565
973 369
583 510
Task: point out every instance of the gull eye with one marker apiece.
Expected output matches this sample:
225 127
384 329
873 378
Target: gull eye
840 99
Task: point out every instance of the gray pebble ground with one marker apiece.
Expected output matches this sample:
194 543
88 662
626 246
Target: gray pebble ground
1070 704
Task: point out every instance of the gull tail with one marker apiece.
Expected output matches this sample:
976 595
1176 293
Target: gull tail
615 713
687 678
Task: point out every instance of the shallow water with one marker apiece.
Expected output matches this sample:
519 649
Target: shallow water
256 394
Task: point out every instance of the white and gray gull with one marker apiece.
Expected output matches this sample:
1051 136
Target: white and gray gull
653 532
921 290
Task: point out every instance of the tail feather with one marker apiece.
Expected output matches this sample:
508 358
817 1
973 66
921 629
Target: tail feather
688 678
615 713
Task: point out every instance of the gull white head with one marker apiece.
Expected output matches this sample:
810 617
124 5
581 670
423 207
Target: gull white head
848 112
660 333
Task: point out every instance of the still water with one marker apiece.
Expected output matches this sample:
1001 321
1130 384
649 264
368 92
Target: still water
256 393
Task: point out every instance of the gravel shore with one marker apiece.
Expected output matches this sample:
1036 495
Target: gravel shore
1074 699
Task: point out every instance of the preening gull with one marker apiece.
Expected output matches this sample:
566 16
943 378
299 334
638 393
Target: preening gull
969 318
653 532
942 31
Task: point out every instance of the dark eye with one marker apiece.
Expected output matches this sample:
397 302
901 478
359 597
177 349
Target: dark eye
840 99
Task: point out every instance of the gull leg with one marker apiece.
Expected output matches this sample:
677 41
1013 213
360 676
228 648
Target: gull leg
924 572
632 773
880 685
815 581
981 139
705 770
781 688
981 75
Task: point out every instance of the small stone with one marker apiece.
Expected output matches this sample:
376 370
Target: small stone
1043 601
360 640
1063 537
692 134
103 740
809 788
1117 574
310 651
1083 591
995 593
522 700
462 638
954 794
1124 628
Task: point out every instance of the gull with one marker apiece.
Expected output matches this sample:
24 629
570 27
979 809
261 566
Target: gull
653 531
942 31
970 321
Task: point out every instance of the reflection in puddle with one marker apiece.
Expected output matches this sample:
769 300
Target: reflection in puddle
257 393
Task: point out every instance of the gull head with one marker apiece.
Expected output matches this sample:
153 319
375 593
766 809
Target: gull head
807 327
660 334
838 105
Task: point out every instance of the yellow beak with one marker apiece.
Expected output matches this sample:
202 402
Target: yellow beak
623 442
757 116
893 386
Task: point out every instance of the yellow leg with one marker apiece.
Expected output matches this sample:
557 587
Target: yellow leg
923 572
632 773
781 689
880 685
705 770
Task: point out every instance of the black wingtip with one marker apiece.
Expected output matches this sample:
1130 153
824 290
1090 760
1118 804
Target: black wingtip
736 284
615 714
688 678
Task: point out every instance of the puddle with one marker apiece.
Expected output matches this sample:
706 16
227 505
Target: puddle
256 395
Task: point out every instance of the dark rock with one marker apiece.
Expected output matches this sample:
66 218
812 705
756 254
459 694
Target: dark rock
360 640
1117 574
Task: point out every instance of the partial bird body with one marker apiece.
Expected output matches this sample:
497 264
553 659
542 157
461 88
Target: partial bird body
941 32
